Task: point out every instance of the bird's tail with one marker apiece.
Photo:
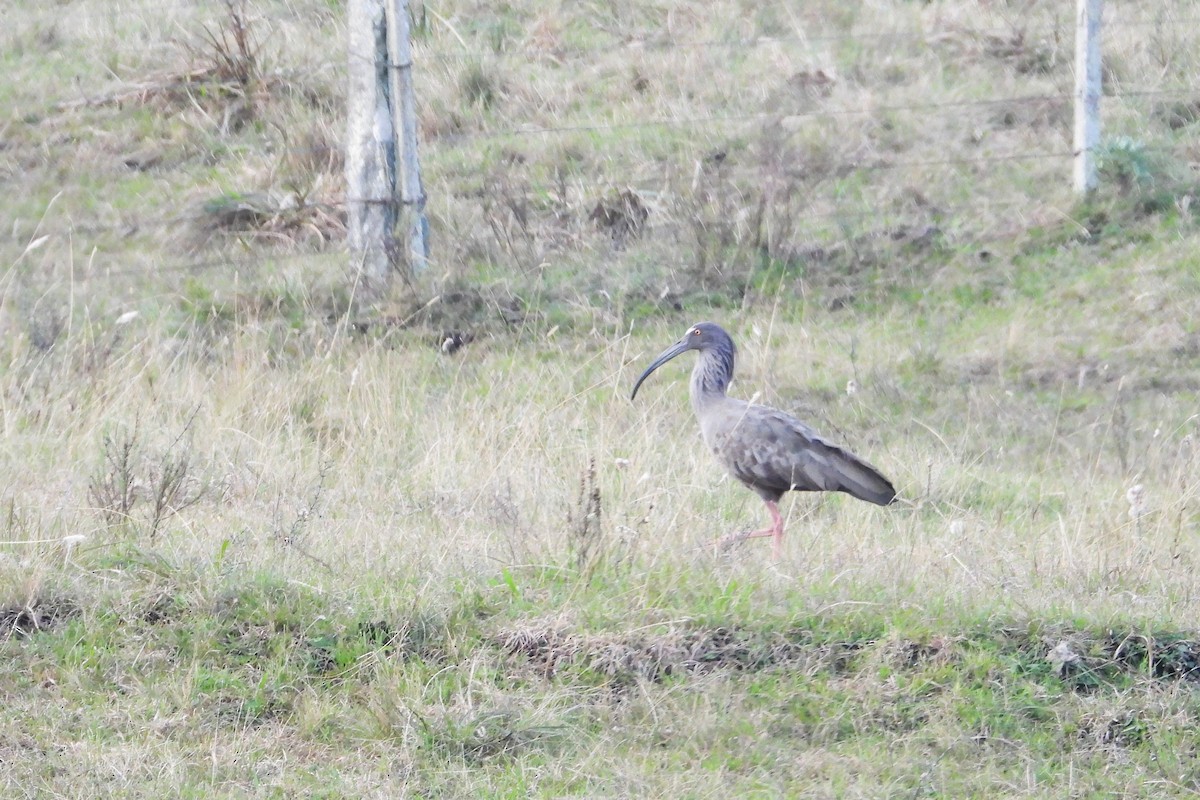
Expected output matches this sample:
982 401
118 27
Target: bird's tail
860 479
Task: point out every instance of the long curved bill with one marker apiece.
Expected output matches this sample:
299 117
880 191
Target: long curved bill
664 357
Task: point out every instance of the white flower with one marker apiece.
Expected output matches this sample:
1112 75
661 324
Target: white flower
1136 497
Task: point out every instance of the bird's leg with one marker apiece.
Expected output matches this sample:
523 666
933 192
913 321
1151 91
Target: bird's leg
775 531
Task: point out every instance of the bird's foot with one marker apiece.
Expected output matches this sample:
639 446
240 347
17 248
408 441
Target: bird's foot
727 541
723 544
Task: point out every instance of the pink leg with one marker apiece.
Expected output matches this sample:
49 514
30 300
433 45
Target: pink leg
775 531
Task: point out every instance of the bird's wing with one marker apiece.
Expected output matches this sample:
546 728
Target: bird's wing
780 452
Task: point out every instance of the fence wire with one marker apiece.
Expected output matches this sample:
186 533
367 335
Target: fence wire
925 35
589 192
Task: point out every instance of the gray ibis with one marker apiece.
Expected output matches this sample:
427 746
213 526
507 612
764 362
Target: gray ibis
768 450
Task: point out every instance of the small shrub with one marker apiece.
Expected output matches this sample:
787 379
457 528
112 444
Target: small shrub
1127 163
112 488
584 523
232 51
293 534
478 87
164 483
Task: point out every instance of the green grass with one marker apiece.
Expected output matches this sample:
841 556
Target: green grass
265 540
475 696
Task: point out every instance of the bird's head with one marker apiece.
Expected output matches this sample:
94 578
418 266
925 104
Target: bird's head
701 336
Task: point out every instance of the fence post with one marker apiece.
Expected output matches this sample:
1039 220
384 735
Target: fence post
409 189
370 147
1087 92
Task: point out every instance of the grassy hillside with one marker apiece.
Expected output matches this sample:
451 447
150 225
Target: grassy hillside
260 540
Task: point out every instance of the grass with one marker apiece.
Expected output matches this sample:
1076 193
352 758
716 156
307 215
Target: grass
416 620
260 540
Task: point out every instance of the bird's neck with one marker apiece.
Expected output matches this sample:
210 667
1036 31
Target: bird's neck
711 377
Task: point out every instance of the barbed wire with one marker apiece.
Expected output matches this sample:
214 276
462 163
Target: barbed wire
560 56
339 206
684 122
129 10
458 139
886 221
810 240
656 43
651 38
597 188
923 35
248 263
336 64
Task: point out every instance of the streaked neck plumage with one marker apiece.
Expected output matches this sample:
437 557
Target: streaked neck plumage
713 374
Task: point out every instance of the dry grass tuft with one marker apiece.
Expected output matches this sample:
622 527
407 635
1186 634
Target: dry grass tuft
288 220
629 658
37 616
622 217
233 47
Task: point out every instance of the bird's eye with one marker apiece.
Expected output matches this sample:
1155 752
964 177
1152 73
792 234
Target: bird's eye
695 331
